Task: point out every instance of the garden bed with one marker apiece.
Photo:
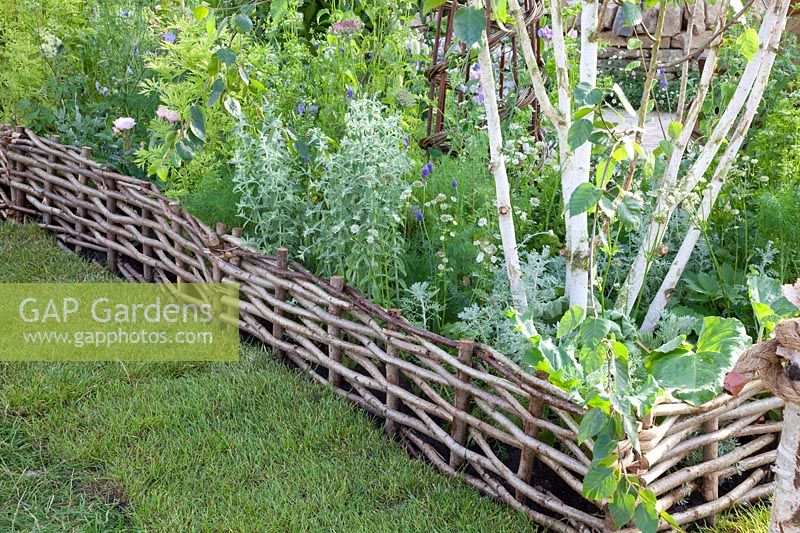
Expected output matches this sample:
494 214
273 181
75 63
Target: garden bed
468 409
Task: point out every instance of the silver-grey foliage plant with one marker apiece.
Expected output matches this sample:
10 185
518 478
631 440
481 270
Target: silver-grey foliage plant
341 207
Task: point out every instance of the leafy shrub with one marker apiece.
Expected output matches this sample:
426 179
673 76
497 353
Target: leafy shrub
72 68
342 207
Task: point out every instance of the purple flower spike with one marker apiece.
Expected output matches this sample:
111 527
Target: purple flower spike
349 93
662 78
545 33
301 108
406 141
170 37
427 169
417 212
313 109
454 183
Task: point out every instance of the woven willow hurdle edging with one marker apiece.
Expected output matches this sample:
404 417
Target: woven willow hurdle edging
463 406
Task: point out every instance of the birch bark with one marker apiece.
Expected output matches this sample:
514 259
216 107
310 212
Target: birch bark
497 166
668 200
712 191
786 505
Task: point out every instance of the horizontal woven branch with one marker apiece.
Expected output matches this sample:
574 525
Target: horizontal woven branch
466 408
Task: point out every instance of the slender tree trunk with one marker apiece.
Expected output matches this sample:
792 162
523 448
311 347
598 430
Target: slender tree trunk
786 505
578 267
712 190
537 79
497 166
668 199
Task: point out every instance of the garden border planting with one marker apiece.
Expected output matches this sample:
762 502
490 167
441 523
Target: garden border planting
463 406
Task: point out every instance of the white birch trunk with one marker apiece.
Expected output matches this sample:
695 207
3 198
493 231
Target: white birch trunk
497 166
577 232
578 258
786 504
668 200
712 191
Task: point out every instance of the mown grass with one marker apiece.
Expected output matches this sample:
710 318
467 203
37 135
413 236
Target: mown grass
249 446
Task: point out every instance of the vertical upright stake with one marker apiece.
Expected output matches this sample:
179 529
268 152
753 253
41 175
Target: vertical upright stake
527 457
80 211
280 294
710 486
393 377
216 273
174 207
461 401
111 236
335 352
48 187
18 195
147 250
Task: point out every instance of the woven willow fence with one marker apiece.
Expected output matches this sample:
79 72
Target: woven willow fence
466 408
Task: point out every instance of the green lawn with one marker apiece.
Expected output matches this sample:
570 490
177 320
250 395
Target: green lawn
219 447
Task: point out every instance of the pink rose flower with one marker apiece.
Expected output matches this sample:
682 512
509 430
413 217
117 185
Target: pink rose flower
168 114
123 124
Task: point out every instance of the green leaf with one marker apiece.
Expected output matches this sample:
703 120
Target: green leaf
591 424
605 445
278 9
768 292
197 124
587 94
469 23
599 482
604 172
200 12
646 518
554 357
632 13
747 43
583 198
675 129
621 507
570 321
672 345
430 5
217 88
630 210
633 65
579 132
185 150
582 112
233 107
227 56
595 330
697 377
243 22
211 25
500 10
620 153
634 43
